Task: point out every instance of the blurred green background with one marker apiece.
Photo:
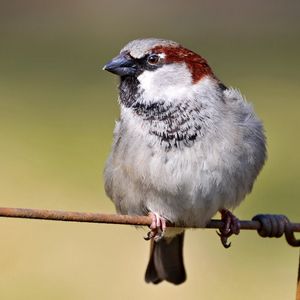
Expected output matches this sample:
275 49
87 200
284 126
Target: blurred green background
57 113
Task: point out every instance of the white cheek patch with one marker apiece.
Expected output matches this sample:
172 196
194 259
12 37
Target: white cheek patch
170 81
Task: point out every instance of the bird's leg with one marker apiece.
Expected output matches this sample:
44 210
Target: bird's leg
231 226
157 227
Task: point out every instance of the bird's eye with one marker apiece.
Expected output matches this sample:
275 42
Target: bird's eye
153 59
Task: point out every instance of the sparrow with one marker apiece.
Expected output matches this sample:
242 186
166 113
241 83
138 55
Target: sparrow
185 147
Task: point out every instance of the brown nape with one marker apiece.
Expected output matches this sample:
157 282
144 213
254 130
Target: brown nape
197 64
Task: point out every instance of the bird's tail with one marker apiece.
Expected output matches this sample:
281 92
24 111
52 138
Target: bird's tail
166 261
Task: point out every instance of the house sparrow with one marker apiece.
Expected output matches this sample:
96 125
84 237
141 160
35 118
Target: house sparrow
185 147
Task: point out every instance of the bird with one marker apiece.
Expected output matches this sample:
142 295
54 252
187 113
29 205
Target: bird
185 147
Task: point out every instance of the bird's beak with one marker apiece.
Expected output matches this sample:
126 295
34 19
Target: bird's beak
122 65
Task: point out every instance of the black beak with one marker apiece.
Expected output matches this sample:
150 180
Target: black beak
122 65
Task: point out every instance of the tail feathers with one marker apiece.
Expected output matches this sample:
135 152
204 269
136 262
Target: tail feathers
166 261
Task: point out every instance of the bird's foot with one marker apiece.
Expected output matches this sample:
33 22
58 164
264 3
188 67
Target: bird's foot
157 227
231 226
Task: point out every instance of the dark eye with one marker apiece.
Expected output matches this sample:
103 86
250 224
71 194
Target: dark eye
153 59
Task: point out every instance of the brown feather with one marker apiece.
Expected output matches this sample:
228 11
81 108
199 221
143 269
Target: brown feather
196 63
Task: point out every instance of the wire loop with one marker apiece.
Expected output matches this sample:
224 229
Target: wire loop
276 226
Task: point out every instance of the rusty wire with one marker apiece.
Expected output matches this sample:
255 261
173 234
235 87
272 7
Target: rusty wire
266 225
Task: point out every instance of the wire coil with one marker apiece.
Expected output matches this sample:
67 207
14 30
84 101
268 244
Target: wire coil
276 226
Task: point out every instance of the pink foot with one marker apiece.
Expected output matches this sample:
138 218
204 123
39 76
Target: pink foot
231 226
158 227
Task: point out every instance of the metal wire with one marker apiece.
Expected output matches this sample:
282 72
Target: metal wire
266 225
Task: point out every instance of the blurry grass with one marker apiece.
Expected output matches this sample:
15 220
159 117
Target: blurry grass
57 112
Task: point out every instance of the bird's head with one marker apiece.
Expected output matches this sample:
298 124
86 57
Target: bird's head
161 68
